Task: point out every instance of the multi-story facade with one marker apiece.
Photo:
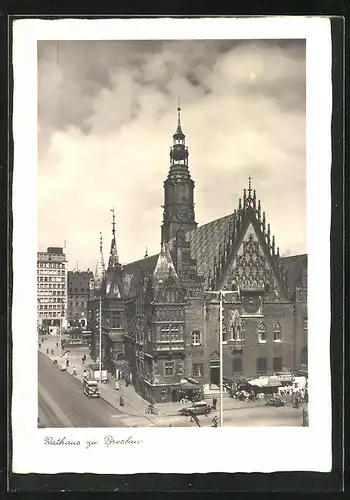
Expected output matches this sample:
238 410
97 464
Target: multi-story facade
51 290
106 310
171 302
78 295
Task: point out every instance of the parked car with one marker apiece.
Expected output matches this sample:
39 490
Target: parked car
91 389
198 408
275 401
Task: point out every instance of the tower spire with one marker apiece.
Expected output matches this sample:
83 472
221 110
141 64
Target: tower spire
113 223
100 268
249 186
113 255
178 188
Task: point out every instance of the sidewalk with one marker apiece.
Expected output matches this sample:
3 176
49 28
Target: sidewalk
134 404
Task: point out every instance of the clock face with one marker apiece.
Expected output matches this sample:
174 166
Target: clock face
251 304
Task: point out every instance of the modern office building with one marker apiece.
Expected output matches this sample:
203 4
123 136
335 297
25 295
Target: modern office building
52 290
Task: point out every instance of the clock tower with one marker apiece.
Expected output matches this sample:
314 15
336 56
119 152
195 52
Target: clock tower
178 189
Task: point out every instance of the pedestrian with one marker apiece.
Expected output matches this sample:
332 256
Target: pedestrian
196 419
52 352
117 385
215 421
56 344
121 400
67 362
85 373
74 370
39 345
214 403
47 351
127 382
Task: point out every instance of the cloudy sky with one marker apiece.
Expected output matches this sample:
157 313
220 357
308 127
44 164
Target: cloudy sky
107 112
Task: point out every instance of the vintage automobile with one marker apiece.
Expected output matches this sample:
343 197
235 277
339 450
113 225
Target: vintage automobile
91 389
198 408
275 401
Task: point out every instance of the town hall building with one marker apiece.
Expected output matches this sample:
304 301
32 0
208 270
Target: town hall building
161 315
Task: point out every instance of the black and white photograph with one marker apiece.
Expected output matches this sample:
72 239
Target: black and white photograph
172 286
172 241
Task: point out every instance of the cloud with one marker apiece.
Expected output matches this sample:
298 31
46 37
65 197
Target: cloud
107 112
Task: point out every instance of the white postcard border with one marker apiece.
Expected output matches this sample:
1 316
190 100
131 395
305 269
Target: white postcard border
173 450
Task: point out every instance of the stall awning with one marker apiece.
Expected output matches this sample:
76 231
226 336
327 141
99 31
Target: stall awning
189 384
265 382
302 372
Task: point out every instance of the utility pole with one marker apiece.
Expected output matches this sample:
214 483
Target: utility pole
221 294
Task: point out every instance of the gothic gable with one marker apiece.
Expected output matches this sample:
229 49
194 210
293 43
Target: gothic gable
251 267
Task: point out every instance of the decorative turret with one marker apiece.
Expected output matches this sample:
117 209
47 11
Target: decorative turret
146 253
178 189
113 261
100 268
165 266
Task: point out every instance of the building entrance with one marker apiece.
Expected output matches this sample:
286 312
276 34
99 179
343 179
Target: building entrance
215 369
215 375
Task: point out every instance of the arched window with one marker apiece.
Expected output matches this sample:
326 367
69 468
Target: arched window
261 333
303 357
277 334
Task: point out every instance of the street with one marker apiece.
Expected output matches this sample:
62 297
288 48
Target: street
62 403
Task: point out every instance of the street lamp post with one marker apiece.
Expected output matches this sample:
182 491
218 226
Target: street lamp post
221 294
100 346
60 327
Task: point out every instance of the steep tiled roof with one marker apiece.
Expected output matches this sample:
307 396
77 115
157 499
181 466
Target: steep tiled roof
205 242
146 266
296 269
